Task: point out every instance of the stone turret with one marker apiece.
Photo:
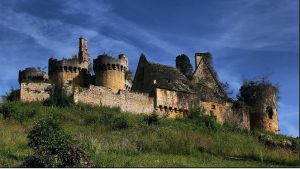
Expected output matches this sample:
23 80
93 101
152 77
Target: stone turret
110 72
32 74
71 70
262 98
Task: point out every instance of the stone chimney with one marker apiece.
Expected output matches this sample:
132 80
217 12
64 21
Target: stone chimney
199 56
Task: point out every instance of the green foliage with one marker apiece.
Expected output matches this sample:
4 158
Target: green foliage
252 90
207 121
59 97
184 65
120 123
7 110
12 95
17 111
48 134
52 146
187 142
152 119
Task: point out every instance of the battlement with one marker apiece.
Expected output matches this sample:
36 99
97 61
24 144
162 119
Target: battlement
65 65
32 74
106 62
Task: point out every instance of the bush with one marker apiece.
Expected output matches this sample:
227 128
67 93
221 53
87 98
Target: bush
152 119
17 111
120 123
12 95
7 110
59 98
207 121
193 113
53 147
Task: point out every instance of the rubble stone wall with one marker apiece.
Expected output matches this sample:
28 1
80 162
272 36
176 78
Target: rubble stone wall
127 101
35 91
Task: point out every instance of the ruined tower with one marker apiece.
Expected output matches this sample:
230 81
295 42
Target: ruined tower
73 70
262 98
83 55
110 72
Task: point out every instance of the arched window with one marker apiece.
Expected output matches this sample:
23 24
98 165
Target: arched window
270 112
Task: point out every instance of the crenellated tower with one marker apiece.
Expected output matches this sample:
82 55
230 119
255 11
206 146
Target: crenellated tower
110 72
71 71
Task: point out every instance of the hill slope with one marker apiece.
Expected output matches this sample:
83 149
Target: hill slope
115 139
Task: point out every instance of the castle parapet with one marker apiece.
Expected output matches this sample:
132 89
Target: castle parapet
32 74
110 72
67 70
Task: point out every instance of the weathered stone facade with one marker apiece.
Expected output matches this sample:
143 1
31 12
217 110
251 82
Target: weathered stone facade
110 72
71 71
172 103
156 88
34 91
32 74
138 103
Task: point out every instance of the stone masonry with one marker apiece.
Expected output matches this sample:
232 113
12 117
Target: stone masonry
137 103
156 88
35 91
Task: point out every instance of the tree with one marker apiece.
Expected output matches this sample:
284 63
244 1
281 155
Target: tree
184 65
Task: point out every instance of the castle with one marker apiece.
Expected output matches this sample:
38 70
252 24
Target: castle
155 88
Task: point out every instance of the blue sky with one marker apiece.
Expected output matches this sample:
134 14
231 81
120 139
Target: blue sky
247 38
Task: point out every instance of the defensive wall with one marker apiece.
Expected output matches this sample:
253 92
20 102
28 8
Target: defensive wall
172 103
35 91
110 72
165 103
225 112
137 103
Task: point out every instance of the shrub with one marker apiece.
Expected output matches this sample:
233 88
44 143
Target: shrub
210 122
59 98
207 121
120 123
193 113
152 119
7 110
12 95
53 147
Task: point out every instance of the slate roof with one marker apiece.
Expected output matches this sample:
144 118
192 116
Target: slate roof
170 78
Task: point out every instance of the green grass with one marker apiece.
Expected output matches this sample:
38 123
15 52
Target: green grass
172 143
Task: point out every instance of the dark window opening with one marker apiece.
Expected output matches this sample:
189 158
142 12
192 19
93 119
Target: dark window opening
270 112
213 106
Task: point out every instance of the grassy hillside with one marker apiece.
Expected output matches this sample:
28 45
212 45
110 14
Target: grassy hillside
115 139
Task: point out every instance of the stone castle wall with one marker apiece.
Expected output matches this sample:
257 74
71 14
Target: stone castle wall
226 113
217 109
172 103
127 101
110 72
35 91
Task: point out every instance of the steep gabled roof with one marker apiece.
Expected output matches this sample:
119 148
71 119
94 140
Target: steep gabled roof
170 78
211 73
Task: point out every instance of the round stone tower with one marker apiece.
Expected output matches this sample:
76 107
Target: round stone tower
110 72
32 74
262 98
